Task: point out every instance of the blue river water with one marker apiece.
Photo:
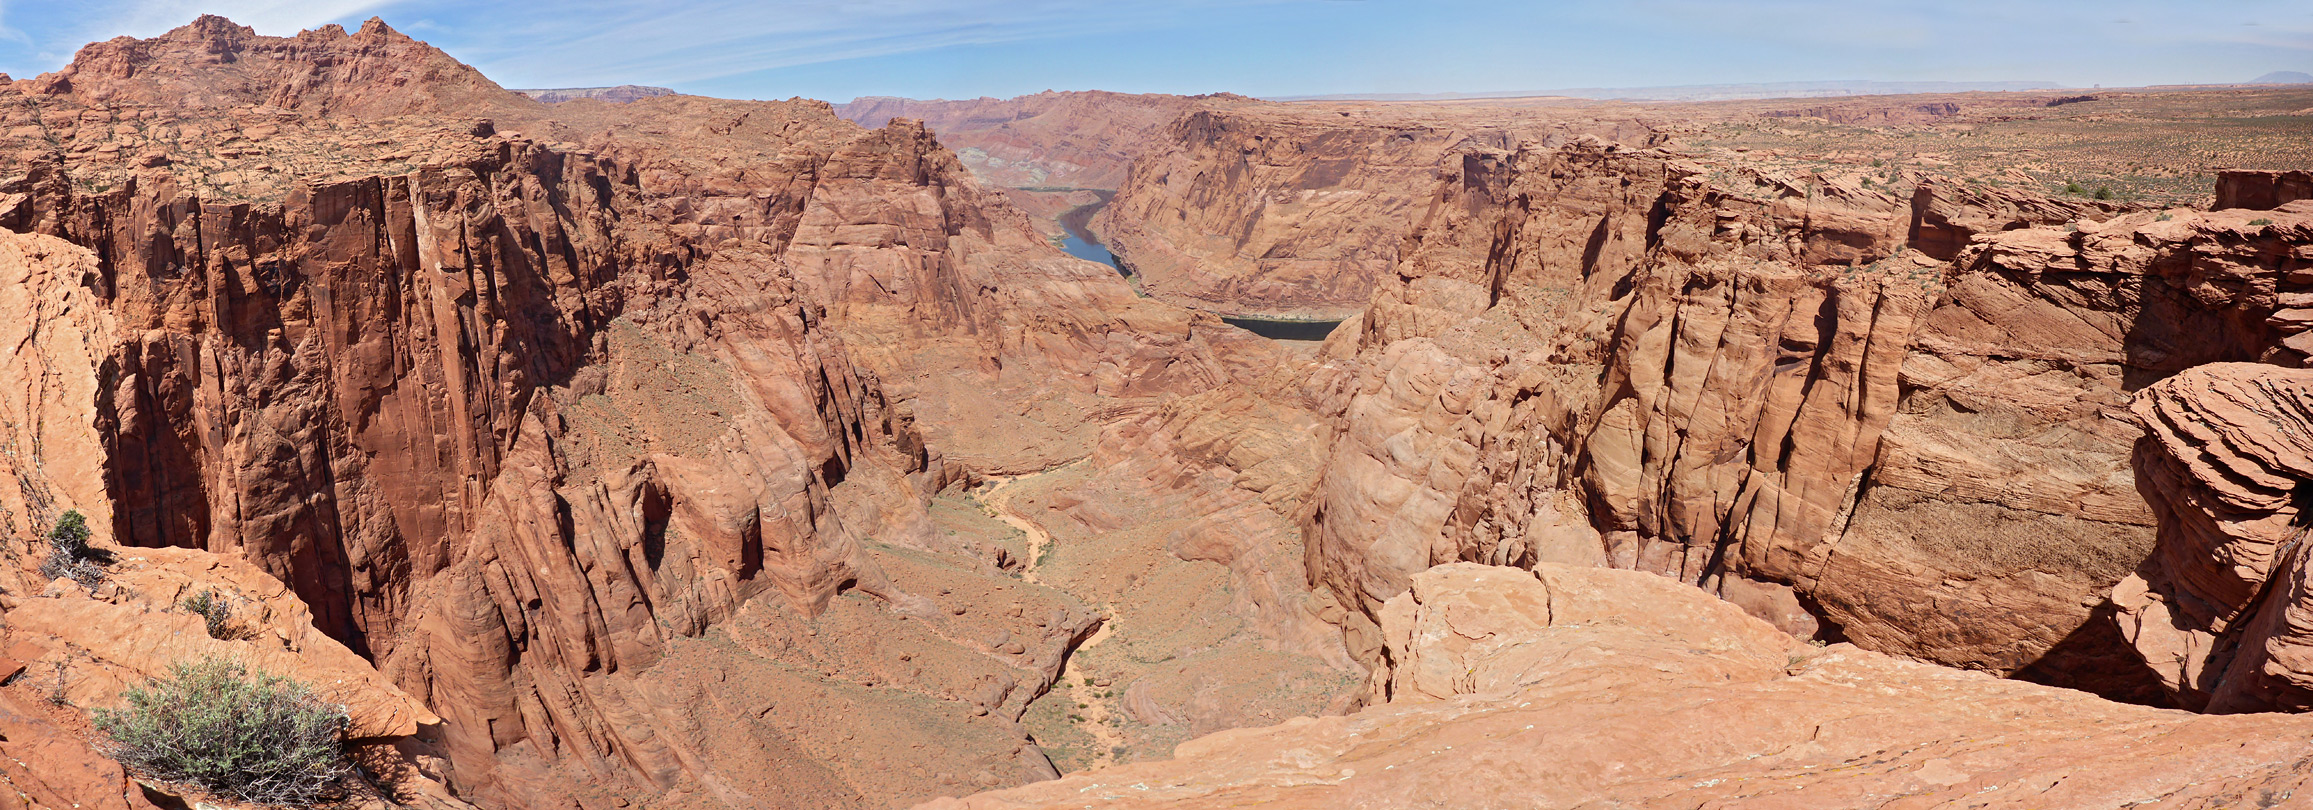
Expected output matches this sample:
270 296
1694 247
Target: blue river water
1081 244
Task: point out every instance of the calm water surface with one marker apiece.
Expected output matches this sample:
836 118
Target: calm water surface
1284 330
1080 243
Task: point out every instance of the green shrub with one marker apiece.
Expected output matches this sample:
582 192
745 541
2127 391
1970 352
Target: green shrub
214 611
243 735
2074 188
69 555
70 534
2103 192
2260 221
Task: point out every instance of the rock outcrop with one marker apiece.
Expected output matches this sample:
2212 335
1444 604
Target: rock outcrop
1047 140
614 95
1928 458
43 765
1571 687
571 420
2220 610
2262 190
1273 215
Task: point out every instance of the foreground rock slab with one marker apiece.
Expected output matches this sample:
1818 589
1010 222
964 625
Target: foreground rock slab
1570 687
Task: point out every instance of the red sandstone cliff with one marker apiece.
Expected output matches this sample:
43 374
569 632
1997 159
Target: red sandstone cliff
537 410
1046 140
589 447
1592 354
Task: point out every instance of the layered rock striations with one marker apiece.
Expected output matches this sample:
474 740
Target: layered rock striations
1293 212
1071 140
2219 610
1270 215
580 423
1591 353
1571 687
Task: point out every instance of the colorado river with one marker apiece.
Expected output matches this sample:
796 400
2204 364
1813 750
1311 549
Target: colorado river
1080 242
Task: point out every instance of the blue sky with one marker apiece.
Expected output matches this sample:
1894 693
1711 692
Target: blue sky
837 49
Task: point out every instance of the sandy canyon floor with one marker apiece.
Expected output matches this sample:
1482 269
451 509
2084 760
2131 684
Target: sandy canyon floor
681 452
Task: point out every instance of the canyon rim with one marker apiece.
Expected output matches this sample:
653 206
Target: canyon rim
600 448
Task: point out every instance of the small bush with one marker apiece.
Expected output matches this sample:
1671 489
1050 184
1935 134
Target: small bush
2103 193
2074 188
69 555
247 736
70 534
2164 217
214 611
2260 221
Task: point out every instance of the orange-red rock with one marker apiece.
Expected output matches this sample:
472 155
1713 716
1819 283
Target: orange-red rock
524 403
2220 608
1567 687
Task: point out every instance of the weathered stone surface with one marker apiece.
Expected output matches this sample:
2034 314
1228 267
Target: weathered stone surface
2220 609
578 421
1927 458
1047 140
45 767
2262 190
1567 687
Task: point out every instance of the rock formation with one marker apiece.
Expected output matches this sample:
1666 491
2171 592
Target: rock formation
709 453
573 420
2219 610
1589 353
2262 190
1047 140
615 95
1574 687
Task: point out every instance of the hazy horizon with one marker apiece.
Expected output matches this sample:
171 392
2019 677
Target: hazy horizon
841 49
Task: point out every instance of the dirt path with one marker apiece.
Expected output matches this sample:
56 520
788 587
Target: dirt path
1083 698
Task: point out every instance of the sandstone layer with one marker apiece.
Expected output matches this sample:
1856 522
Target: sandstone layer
1574 687
1075 140
1766 386
2220 610
713 454
606 433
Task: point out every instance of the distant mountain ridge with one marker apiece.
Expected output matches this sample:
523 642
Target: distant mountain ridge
1706 92
2284 77
616 95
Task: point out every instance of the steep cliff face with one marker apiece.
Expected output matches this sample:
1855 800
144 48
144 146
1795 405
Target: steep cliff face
2219 609
573 424
1297 211
1269 216
1572 687
1592 354
1046 140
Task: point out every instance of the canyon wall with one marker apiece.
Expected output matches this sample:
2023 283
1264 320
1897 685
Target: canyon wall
1592 353
2219 609
1296 211
573 420
1047 140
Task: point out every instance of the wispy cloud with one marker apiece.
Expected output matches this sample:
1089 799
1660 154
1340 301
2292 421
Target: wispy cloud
593 41
276 17
833 47
10 34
